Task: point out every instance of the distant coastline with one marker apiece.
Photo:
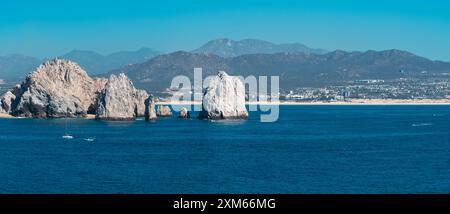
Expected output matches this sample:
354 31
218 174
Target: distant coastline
350 102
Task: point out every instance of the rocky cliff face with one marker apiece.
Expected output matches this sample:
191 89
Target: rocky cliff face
163 111
150 113
120 100
58 88
184 113
224 98
140 97
6 101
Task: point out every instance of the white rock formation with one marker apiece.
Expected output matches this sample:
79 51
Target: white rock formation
140 97
3 111
163 111
150 113
119 100
58 88
6 101
184 113
224 98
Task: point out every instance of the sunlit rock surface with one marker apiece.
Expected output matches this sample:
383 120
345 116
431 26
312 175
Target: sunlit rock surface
224 98
120 100
150 113
57 88
163 111
184 113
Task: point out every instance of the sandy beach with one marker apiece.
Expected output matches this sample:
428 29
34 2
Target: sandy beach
89 116
4 115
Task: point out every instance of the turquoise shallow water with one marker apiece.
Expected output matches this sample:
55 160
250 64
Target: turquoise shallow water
311 149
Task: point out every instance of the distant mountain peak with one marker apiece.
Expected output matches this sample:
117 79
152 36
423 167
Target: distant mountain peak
225 47
83 53
16 66
96 63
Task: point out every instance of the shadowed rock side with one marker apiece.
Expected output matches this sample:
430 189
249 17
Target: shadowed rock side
58 88
224 98
119 100
140 97
2 110
163 111
150 113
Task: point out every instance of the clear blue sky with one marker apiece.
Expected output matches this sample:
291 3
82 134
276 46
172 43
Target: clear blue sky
48 27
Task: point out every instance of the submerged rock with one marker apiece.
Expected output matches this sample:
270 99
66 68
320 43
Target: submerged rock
163 111
6 101
224 98
150 113
184 113
57 88
120 100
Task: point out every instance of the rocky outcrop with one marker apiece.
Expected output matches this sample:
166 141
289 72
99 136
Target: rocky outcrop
2 110
150 113
6 101
163 111
184 113
140 98
224 98
120 100
58 88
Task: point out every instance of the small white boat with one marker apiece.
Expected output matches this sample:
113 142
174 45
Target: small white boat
67 136
90 139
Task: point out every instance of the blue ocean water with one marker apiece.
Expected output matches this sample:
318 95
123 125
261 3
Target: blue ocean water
311 149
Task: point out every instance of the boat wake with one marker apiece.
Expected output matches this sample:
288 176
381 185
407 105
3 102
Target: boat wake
67 137
89 139
421 124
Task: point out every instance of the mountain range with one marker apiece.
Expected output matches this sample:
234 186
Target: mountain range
16 66
96 63
294 69
231 48
296 64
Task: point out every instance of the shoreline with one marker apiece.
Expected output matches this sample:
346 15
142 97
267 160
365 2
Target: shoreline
362 102
5 115
351 102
